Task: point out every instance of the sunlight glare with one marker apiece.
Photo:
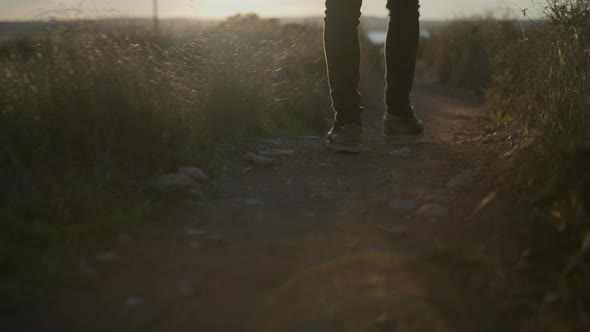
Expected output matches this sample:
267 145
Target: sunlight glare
223 8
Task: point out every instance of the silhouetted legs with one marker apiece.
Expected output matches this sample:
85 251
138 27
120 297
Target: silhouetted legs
342 50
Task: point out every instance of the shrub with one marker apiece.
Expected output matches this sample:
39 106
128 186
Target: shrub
89 110
97 98
462 51
542 84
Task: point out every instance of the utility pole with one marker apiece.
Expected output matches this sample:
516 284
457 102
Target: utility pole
156 19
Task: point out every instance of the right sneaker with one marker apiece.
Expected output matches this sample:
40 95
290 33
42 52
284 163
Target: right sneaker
345 138
400 127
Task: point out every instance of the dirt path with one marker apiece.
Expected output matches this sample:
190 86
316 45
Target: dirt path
394 239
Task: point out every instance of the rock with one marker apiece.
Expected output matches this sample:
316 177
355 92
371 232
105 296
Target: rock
433 211
496 138
215 237
87 270
124 238
274 141
462 180
310 214
311 138
107 257
396 230
194 173
175 181
259 160
277 152
134 302
437 198
197 193
185 288
401 204
252 201
195 232
403 152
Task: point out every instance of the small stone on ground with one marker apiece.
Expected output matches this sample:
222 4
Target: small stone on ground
401 204
402 152
195 232
277 152
462 180
194 173
259 160
134 302
433 211
106 257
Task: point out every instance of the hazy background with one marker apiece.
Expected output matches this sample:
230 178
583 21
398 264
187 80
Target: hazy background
431 9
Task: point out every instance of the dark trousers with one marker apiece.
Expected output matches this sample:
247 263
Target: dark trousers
341 43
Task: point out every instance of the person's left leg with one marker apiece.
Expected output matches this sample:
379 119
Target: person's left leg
401 49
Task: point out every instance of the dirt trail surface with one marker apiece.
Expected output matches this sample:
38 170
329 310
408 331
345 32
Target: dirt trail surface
406 236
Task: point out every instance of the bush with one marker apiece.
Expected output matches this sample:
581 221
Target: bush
89 110
542 84
102 98
462 51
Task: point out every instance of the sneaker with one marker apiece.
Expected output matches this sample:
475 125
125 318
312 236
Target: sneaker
395 126
345 138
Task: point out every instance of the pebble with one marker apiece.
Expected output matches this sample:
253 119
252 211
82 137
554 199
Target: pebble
252 201
124 238
194 173
106 257
134 302
397 230
277 152
196 193
87 270
175 180
274 141
402 152
462 180
434 197
185 288
401 204
259 160
433 211
195 232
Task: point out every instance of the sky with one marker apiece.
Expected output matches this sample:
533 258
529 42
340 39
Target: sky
431 9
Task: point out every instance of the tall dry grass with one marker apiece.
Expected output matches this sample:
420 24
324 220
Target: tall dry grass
88 111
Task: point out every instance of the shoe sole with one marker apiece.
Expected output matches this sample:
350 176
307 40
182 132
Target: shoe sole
344 148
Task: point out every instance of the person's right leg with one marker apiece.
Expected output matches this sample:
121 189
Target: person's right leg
401 49
341 44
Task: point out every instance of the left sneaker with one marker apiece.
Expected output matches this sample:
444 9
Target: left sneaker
395 126
345 138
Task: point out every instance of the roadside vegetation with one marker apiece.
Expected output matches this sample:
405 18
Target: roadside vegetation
535 77
89 112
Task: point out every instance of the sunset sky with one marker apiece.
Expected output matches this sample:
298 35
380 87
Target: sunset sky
431 9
